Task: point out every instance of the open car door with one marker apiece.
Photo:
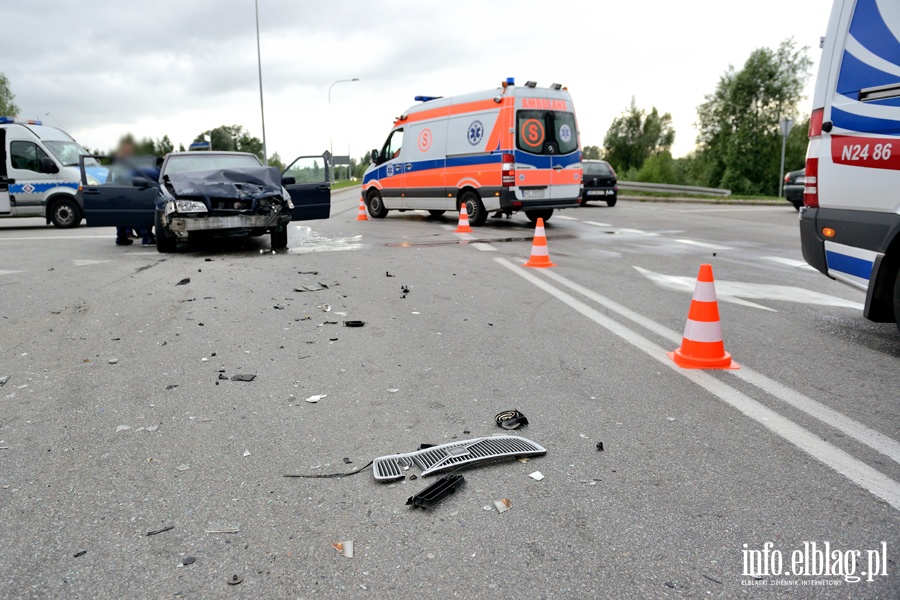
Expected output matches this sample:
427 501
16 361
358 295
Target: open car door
118 192
307 179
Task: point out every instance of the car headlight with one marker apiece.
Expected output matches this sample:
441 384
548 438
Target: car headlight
189 206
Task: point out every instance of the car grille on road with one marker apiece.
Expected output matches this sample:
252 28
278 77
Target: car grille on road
445 456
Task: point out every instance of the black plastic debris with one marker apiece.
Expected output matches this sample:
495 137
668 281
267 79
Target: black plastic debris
387 274
437 492
223 377
79 553
158 531
404 289
235 579
307 272
311 288
425 446
244 377
278 307
3 380
172 386
188 560
184 281
599 446
347 461
511 419
354 323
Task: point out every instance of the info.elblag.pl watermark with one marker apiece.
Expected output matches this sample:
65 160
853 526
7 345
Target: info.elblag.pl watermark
813 564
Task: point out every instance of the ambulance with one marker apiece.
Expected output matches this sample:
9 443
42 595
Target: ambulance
499 151
39 173
850 224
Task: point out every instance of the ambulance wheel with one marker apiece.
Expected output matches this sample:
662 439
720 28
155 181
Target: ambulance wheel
375 204
897 299
534 215
474 208
164 243
279 238
65 214
436 213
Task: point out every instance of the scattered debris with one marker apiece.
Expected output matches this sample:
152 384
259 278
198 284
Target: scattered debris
113 361
714 580
345 548
332 339
316 398
156 531
387 274
311 288
537 475
437 492
599 446
502 505
393 390
184 281
183 467
278 307
3 380
223 376
307 272
511 419
123 428
153 428
523 459
235 580
172 386
204 359
244 377
347 461
246 453
324 307
404 289
222 529
354 323
79 553
670 418
188 560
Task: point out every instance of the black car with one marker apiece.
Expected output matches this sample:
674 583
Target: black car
206 194
793 187
599 182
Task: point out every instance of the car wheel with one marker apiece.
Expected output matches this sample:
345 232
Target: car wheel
65 214
897 299
534 215
279 238
164 243
375 204
611 201
436 213
584 202
474 208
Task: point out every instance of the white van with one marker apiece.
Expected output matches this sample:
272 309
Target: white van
850 224
39 174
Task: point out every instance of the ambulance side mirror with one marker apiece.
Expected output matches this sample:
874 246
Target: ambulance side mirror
375 156
48 166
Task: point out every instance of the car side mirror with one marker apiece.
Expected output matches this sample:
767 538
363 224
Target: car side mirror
141 182
288 180
375 156
48 166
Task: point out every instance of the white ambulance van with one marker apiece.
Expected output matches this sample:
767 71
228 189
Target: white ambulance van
499 151
850 225
39 173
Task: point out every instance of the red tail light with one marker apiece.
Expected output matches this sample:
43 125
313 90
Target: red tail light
508 171
811 186
815 122
787 178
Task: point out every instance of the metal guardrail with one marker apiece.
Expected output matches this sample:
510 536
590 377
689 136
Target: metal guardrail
639 186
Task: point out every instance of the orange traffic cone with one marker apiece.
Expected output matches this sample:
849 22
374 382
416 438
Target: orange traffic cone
463 226
702 346
540 258
361 215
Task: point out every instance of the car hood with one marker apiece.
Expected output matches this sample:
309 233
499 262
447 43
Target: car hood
245 183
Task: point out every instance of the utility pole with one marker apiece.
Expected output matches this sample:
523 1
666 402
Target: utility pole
262 110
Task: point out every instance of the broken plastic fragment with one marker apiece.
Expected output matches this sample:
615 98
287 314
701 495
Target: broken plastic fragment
183 467
502 505
113 361
437 492
244 377
188 560
235 579
123 428
345 548
3 380
600 446
537 475
246 453
354 323
316 398
153 428
184 281
325 307
393 390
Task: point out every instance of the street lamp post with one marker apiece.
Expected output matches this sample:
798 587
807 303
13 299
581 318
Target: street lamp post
330 126
262 110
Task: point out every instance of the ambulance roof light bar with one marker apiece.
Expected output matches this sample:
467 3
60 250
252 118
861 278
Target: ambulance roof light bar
427 98
19 121
531 84
556 86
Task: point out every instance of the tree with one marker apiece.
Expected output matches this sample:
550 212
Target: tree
590 153
740 137
7 106
275 161
635 135
232 138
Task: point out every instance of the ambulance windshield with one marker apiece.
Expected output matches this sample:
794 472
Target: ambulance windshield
546 132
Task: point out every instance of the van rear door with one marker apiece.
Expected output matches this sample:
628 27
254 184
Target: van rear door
548 161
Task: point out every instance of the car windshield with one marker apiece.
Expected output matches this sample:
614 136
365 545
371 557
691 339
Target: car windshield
597 168
546 132
68 152
204 162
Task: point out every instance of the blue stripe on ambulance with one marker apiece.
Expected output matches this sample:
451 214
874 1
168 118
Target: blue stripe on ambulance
40 188
532 160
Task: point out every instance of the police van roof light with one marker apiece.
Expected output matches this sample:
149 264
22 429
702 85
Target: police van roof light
556 86
531 84
427 98
20 121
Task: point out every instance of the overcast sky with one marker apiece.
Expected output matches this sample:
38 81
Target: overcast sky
178 67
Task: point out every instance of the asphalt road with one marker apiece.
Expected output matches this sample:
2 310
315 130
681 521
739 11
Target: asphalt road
800 445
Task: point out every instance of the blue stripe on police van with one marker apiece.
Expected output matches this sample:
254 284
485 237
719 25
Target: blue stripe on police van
856 75
40 188
870 30
858 267
852 122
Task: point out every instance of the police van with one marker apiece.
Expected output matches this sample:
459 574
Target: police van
499 151
850 225
39 174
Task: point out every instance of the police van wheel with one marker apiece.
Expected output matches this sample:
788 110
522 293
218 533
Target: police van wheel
534 215
474 208
375 204
65 214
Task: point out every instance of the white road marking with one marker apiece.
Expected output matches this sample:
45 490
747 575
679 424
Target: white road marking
465 236
84 263
448 227
58 237
831 456
856 430
598 224
736 291
483 247
790 262
565 218
702 244
10 272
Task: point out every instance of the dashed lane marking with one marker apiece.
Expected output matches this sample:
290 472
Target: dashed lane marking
483 247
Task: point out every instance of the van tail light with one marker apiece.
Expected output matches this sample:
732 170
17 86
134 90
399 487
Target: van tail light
811 187
815 122
508 171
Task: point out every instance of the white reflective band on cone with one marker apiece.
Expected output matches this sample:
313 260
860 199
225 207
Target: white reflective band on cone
705 291
539 251
539 231
703 331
